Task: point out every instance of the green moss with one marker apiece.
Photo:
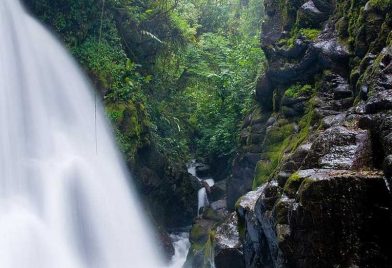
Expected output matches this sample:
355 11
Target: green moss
298 90
305 125
241 229
292 185
211 214
198 234
131 123
307 33
275 144
281 212
209 250
310 34
381 4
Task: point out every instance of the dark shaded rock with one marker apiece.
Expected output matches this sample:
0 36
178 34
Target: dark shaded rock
216 193
282 178
256 251
264 92
293 52
388 166
203 170
246 159
228 247
325 233
200 230
342 91
325 6
202 238
333 219
169 190
165 244
379 102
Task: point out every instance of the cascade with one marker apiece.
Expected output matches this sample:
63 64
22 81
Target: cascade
61 203
202 197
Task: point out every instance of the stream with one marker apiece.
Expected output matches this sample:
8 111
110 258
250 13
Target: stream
181 239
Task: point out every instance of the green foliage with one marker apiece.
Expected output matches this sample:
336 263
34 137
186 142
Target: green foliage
191 65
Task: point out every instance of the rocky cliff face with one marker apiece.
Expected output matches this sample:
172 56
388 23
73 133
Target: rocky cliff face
318 148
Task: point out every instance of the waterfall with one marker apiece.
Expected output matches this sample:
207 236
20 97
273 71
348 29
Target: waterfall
202 198
61 203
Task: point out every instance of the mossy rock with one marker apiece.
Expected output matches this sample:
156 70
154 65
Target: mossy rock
292 185
199 234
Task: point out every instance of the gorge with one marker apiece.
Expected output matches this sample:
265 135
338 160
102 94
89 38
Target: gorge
258 134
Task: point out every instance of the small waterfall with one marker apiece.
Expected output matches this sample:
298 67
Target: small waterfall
61 204
202 198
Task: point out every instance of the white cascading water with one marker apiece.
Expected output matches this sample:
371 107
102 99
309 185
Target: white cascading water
202 198
61 204
181 246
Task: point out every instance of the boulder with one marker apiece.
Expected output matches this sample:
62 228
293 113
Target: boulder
228 247
309 16
203 170
331 218
334 219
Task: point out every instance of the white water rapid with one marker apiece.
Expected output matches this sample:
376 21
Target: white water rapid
181 247
62 205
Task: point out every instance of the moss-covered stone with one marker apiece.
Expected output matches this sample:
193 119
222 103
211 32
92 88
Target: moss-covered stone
292 185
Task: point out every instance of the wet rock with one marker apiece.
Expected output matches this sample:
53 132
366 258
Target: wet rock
333 120
298 157
327 226
332 54
166 244
255 253
332 218
341 148
309 16
228 247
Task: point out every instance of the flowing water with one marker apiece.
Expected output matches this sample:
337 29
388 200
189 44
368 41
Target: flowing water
181 247
62 204
202 197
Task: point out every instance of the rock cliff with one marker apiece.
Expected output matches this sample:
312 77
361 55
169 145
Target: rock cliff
317 150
